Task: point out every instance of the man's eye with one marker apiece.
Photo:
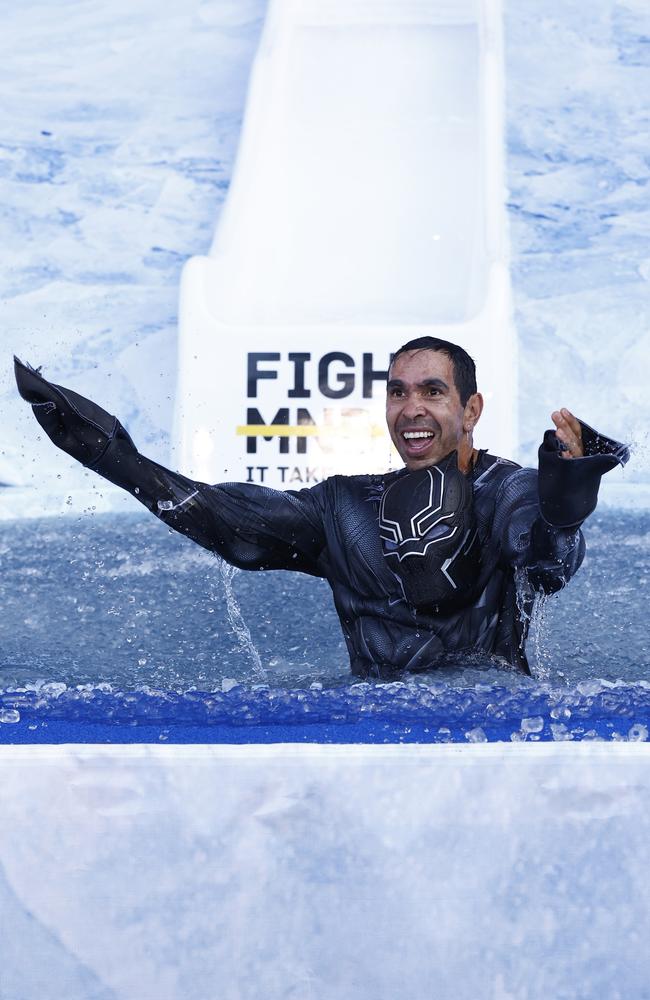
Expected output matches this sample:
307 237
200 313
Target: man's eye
395 392
432 391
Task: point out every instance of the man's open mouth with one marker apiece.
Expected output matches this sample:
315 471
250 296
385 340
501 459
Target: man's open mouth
417 440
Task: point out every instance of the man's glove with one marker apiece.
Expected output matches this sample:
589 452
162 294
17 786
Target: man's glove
73 423
568 487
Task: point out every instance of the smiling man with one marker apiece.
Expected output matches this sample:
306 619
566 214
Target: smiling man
432 405
443 558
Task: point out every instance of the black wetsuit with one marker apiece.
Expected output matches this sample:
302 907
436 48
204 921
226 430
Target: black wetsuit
527 522
331 531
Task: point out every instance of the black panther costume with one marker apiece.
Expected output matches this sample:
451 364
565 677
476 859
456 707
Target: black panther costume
517 531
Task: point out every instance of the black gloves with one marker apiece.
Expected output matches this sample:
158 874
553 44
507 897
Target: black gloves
75 424
568 488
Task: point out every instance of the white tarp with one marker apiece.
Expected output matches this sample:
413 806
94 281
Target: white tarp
323 872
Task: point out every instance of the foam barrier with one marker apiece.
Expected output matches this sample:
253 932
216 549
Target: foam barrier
313 872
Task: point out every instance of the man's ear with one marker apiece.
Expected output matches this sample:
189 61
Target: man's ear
472 412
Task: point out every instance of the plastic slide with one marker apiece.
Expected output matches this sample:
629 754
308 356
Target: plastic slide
366 208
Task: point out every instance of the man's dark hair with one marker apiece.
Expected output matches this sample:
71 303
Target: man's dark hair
463 366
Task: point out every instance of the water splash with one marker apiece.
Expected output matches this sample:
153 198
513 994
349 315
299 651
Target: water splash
539 656
533 606
640 450
237 620
170 505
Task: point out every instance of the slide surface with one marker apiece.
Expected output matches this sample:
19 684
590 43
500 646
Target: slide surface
366 208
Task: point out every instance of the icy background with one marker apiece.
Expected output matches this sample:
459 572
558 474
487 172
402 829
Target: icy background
119 130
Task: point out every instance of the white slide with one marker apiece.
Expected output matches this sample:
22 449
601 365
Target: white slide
366 208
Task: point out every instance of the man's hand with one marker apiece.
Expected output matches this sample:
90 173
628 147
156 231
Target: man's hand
569 433
73 423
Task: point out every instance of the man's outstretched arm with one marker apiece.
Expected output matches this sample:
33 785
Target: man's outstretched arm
250 526
538 515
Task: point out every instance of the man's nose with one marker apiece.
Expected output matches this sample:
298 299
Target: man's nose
414 407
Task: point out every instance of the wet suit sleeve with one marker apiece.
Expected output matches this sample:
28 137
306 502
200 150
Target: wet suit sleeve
249 526
549 555
538 514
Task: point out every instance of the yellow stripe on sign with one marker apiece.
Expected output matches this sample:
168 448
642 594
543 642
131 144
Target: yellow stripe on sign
302 430
276 430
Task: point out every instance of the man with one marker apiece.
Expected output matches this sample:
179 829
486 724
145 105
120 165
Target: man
441 558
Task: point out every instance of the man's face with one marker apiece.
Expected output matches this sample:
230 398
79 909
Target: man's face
424 413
